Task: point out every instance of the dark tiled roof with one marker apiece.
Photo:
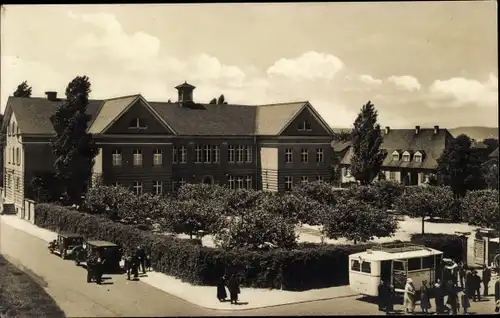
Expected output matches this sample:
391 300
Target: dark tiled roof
339 146
33 114
431 145
494 154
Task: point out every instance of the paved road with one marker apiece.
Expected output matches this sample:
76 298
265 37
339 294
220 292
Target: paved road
67 284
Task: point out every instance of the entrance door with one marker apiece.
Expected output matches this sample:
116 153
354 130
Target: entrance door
399 273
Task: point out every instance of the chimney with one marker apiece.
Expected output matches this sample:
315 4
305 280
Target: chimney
436 130
52 96
417 130
387 129
185 93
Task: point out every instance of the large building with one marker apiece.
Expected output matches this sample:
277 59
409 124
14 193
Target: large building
411 154
158 146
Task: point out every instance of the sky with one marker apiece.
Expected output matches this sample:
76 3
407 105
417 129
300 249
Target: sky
419 63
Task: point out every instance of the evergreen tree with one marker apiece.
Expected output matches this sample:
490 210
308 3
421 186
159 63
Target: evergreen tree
221 100
213 101
72 146
459 168
366 141
23 90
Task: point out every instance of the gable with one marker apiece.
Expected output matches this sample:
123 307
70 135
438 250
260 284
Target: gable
315 126
149 123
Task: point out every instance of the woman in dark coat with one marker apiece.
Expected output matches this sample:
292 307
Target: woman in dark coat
439 297
390 299
221 289
425 303
453 300
234 289
382 296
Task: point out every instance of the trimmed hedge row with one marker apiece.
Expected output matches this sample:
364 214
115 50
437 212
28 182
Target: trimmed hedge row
310 266
452 246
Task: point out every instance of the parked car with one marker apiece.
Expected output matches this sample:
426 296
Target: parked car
109 253
66 245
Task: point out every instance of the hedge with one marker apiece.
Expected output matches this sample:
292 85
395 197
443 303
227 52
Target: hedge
451 245
309 266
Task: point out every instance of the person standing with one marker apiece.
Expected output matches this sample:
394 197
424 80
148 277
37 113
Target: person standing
486 279
98 270
221 289
453 300
469 284
389 309
409 296
476 286
425 303
497 295
128 265
382 296
439 297
462 273
234 289
464 300
141 258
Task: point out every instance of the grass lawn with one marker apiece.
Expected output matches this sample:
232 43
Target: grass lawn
21 296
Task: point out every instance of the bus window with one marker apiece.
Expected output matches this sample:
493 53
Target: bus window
355 266
414 264
428 262
398 265
366 267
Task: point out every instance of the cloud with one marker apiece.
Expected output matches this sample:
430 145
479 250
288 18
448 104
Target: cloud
405 82
462 91
370 80
309 66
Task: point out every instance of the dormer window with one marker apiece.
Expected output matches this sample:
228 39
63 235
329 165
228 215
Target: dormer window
137 123
406 157
305 126
418 157
395 156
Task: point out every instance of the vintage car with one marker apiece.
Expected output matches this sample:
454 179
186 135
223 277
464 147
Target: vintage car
66 245
107 251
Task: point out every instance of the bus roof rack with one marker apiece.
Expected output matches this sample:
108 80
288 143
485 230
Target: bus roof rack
398 247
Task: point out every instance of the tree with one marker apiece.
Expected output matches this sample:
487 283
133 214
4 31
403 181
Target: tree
72 146
44 187
321 192
490 174
459 168
23 90
221 100
366 141
114 201
481 208
342 136
358 221
213 101
491 143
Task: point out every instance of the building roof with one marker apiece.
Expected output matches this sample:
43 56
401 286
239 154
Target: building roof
429 144
33 116
494 154
375 255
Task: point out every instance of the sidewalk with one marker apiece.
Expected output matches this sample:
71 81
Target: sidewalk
204 296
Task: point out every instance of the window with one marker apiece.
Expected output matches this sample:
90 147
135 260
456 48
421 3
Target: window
248 182
395 156
137 157
319 178
207 154
18 156
239 154
304 154
319 155
17 184
182 182
355 266
13 129
230 154
288 183
288 155
248 154
304 179
216 151
347 172
197 151
418 158
115 184
305 126
8 154
157 157
414 264
137 123
117 157
17 131
406 157
392 175
174 185
175 154
137 187
428 262
239 182
230 181
182 154
157 187
9 181
398 266
8 129
366 267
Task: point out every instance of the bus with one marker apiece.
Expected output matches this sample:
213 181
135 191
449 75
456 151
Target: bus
393 263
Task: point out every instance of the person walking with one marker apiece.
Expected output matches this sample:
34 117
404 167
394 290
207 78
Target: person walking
439 297
221 289
234 289
128 265
464 300
141 258
469 284
425 303
476 286
389 309
453 300
486 280
409 296
462 272
382 296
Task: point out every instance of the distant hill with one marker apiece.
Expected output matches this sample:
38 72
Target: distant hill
337 130
476 132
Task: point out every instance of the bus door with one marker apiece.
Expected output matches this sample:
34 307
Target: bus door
399 273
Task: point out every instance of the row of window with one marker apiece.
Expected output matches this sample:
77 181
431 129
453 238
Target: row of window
303 179
304 155
8 182
407 157
414 264
14 155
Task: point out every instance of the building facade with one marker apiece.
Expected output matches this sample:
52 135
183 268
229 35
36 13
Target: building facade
157 147
411 154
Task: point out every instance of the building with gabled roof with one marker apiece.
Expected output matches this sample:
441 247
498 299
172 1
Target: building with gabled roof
158 146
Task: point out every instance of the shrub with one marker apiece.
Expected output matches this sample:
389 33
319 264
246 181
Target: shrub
201 192
429 201
113 201
387 192
481 208
452 246
294 208
358 221
318 191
